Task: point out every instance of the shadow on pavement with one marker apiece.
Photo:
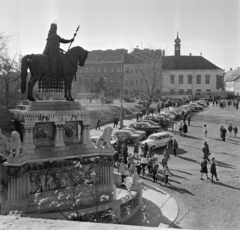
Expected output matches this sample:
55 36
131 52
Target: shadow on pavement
225 165
181 171
189 159
181 151
225 185
153 188
180 190
192 137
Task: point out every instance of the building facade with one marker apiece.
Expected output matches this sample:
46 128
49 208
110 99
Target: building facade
107 64
182 75
232 81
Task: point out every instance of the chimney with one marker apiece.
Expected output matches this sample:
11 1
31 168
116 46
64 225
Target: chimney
163 53
230 69
190 54
201 53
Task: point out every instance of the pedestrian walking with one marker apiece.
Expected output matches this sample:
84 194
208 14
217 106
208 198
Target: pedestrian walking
206 151
145 149
115 121
98 126
166 153
204 169
175 147
150 166
154 172
170 145
125 153
138 166
185 129
166 174
180 128
235 130
213 169
223 132
205 130
136 148
230 128
143 164
174 127
122 171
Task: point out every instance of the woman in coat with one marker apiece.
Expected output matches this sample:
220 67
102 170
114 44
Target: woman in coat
175 147
204 168
185 129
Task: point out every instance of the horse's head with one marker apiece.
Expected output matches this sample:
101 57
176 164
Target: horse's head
82 57
78 54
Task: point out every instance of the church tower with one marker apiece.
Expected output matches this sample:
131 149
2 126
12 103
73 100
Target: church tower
177 46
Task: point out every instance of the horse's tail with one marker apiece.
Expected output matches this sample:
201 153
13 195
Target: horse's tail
24 68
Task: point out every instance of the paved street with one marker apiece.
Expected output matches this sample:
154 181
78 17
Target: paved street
203 204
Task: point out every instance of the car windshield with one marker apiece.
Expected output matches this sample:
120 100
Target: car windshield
114 138
152 138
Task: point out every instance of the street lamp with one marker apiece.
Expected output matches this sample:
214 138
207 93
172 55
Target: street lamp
121 115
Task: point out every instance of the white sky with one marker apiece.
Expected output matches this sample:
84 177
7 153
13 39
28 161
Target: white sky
208 26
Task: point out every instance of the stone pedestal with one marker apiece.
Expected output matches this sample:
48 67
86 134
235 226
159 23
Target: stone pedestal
54 135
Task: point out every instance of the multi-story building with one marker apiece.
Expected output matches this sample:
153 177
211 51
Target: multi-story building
232 81
182 75
107 64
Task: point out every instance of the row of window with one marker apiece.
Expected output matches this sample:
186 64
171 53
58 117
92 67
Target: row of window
189 91
136 81
101 69
190 79
131 71
110 79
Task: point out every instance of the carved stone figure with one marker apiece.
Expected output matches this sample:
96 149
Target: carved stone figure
50 182
104 140
3 139
42 177
35 182
15 144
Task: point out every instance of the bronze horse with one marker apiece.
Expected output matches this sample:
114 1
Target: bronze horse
38 65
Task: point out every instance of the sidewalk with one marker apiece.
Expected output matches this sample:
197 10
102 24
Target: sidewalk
161 209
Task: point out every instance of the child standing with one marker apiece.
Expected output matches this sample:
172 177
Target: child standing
166 174
213 169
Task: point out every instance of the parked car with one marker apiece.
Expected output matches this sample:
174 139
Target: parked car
113 141
177 115
196 106
170 115
149 122
108 101
127 135
149 129
143 133
157 140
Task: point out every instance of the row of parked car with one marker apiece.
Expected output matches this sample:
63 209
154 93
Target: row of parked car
148 129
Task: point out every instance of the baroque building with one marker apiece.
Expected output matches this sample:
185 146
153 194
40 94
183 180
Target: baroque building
182 74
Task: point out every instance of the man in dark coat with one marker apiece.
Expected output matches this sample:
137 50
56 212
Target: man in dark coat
170 144
175 147
206 151
185 129
213 169
52 50
223 132
125 153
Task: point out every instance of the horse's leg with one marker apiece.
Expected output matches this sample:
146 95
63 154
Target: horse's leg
70 90
31 84
65 89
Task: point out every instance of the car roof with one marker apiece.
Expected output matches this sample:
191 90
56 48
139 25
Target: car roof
123 131
160 134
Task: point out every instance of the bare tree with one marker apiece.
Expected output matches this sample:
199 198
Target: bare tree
9 81
151 67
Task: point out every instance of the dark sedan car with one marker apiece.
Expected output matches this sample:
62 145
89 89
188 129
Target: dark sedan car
149 129
143 133
127 136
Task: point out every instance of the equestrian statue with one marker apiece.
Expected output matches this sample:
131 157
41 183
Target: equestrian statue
54 69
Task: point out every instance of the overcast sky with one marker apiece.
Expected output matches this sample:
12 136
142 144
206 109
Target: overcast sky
210 27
